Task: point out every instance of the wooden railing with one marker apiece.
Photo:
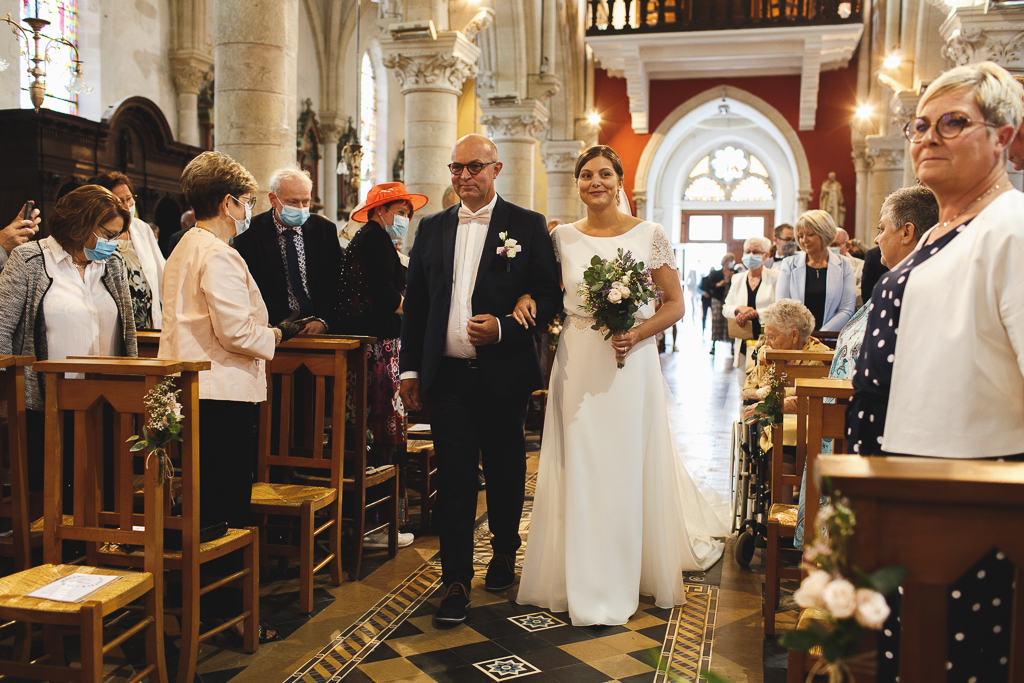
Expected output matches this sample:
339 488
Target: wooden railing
614 17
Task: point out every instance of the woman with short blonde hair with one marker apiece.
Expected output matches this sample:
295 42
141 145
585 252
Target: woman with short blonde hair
825 282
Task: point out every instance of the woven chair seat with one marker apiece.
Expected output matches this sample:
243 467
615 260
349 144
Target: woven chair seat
784 514
139 480
35 530
112 596
266 495
813 615
414 447
233 537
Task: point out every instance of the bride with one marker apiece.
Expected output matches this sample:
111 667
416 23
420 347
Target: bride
615 513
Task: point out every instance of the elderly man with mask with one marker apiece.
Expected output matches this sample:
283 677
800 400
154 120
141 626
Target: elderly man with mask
841 245
293 256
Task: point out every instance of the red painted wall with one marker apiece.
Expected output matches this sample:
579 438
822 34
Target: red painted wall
827 146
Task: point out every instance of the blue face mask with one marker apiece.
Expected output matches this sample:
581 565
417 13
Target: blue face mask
103 249
838 251
398 229
293 216
753 261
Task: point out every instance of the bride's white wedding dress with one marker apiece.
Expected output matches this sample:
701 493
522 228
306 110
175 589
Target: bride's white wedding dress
615 513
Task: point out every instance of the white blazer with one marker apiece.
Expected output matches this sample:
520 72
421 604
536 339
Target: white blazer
152 261
958 376
737 295
840 287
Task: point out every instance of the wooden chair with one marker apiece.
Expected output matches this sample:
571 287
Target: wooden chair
421 454
937 517
122 383
781 520
358 481
186 562
16 505
816 420
326 358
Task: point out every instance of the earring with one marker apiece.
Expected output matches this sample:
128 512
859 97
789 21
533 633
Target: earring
903 243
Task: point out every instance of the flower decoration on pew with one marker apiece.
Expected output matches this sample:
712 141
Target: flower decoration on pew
772 394
613 291
554 331
162 427
844 607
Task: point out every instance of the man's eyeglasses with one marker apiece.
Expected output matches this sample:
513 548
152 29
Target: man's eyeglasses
473 167
250 202
948 126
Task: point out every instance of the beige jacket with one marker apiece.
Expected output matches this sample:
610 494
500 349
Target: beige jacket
213 311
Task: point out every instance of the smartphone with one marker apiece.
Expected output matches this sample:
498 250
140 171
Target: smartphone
29 208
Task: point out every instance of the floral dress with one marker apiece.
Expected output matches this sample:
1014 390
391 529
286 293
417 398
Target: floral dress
138 286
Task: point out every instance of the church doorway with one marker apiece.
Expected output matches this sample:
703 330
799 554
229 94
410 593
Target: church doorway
706 235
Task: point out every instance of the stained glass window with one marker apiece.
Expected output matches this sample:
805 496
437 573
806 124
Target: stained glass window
752 189
704 189
729 172
729 163
63 18
367 126
757 168
702 167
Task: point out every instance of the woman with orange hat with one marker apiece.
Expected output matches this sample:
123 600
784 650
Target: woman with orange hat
386 212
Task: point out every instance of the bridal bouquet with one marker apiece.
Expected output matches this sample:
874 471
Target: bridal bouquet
613 291
163 426
846 607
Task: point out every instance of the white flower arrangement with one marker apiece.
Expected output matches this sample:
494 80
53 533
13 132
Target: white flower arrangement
509 249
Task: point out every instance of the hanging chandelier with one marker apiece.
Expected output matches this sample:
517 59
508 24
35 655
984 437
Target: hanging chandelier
38 45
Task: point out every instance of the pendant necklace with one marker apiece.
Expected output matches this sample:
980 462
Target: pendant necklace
966 208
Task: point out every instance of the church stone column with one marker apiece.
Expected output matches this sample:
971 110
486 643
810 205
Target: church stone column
255 45
189 76
331 129
431 74
862 223
885 170
560 162
514 128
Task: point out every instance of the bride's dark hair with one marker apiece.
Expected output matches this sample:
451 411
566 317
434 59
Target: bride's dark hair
598 151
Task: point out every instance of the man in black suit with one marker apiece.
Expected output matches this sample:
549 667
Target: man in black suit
292 255
472 364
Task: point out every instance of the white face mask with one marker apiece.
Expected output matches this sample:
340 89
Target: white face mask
838 251
242 225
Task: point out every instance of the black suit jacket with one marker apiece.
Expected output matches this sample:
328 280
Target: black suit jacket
511 366
873 270
262 253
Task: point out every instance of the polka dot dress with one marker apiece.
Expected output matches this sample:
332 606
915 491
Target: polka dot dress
865 414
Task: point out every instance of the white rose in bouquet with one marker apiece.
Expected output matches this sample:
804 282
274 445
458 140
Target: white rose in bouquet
840 598
810 593
615 296
623 290
872 609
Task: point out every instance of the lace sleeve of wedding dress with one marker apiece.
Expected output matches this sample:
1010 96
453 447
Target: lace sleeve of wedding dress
661 250
554 245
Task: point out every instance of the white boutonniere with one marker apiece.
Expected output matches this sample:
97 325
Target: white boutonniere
509 249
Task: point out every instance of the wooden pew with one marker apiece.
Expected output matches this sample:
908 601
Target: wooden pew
937 517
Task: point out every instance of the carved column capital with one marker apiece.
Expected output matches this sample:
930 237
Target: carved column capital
973 35
190 72
332 127
521 122
441 65
885 152
560 156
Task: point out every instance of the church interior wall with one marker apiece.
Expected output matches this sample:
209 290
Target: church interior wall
828 146
308 77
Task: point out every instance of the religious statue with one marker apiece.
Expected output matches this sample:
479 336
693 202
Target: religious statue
831 199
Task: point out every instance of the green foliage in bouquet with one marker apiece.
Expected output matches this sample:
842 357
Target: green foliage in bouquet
163 426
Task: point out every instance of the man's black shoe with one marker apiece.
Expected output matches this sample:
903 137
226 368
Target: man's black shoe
501 572
453 607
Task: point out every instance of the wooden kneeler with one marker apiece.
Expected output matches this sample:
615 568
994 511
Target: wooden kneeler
106 382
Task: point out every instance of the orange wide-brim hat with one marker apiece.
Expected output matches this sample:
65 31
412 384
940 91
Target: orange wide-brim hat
385 193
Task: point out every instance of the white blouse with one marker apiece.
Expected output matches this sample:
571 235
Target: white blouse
81 316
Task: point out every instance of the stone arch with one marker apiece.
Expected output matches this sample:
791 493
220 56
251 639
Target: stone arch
673 146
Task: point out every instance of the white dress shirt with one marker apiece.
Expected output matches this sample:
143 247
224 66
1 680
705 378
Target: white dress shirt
81 315
469 245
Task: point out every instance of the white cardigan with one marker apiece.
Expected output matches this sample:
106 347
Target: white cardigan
737 295
840 288
958 376
152 261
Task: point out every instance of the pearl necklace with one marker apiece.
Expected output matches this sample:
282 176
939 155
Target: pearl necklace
966 208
